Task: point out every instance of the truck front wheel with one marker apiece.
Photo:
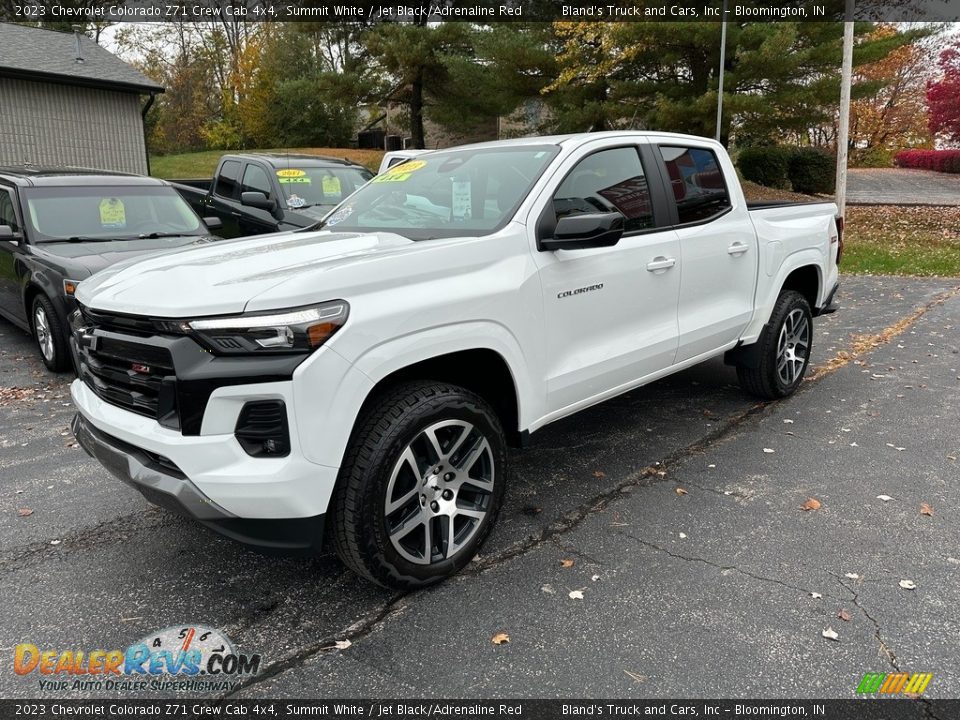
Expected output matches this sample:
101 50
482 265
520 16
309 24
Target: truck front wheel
784 350
421 485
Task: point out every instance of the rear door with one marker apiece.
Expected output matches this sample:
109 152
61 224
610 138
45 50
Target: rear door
11 302
718 248
610 313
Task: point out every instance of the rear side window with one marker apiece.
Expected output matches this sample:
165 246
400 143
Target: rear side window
227 185
606 181
697 183
255 179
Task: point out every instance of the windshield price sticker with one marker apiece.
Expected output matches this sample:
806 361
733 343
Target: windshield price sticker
293 180
331 185
112 213
291 173
401 172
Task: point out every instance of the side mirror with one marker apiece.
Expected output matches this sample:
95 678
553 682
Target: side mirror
213 223
7 233
257 200
587 230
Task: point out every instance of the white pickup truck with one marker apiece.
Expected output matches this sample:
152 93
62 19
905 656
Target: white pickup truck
359 382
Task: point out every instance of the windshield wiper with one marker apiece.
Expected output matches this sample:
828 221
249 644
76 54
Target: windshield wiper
155 235
84 238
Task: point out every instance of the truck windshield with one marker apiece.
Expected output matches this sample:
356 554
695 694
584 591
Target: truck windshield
108 213
309 186
472 191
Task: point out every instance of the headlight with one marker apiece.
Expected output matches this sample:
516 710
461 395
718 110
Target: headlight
300 330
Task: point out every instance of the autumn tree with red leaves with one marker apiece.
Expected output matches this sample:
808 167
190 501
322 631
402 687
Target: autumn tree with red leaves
943 96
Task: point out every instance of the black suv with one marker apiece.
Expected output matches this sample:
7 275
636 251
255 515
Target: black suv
58 226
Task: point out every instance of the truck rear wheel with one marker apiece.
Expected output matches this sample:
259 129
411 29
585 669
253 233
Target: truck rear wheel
421 485
784 352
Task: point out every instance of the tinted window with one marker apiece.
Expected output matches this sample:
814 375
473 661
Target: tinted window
227 180
7 214
697 183
606 181
255 179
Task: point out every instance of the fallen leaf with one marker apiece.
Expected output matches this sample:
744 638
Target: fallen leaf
54 542
844 615
711 466
683 536
594 578
599 474
924 510
885 498
342 644
548 589
500 638
24 512
908 585
576 594
852 576
816 595
637 678
680 491
831 634
769 450
566 563
788 421
811 504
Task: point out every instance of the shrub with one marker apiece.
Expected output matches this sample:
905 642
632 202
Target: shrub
812 171
945 161
875 157
764 165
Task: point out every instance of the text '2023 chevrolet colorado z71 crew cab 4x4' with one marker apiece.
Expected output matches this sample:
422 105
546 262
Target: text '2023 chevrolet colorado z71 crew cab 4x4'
364 377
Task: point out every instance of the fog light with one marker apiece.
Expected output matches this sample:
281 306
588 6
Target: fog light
262 429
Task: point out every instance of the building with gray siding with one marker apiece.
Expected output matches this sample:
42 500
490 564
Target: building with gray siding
64 100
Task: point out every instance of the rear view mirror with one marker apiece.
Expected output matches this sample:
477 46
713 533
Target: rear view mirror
257 200
587 230
213 223
7 233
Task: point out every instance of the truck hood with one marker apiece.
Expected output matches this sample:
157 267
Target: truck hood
95 256
228 276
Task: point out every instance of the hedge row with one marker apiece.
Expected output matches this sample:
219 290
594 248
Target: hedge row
945 161
805 169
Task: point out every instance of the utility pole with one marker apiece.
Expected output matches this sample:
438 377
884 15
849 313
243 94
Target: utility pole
723 61
843 133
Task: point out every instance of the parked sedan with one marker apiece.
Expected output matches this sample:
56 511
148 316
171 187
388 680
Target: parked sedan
59 226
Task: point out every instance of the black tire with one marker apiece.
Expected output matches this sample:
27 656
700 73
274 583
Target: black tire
49 334
766 380
396 421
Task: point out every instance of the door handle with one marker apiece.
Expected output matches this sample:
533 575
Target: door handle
661 263
738 248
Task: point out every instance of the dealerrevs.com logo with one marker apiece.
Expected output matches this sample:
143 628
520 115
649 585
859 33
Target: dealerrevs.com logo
188 659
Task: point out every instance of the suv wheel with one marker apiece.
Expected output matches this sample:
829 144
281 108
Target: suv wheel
49 334
784 350
421 485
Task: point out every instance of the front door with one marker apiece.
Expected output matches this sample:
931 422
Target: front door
610 313
11 302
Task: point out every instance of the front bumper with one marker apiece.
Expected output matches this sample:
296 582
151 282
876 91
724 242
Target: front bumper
214 462
163 483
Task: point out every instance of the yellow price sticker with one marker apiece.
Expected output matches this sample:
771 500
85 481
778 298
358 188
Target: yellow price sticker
331 185
401 172
291 173
113 213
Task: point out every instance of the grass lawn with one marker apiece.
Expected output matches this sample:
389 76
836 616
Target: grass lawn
891 239
203 164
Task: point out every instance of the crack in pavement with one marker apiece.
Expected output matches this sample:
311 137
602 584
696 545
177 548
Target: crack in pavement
884 648
718 566
358 630
108 532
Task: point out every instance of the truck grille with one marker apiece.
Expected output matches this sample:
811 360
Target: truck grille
125 370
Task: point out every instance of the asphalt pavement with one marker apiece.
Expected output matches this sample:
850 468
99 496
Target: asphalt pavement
694 572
